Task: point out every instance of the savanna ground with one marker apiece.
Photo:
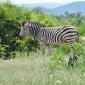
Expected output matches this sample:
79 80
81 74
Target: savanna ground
37 69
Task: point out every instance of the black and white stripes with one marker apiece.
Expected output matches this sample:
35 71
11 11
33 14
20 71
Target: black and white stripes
51 36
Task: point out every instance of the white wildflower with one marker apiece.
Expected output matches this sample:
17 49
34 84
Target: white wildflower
51 75
84 74
59 82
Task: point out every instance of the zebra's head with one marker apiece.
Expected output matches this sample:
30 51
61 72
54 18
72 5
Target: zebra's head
24 29
29 28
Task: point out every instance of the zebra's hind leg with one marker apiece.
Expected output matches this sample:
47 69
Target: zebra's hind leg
73 56
70 63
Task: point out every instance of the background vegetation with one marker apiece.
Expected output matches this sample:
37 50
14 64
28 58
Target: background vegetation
26 66
10 18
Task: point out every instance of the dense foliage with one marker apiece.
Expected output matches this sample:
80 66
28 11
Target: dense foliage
10 18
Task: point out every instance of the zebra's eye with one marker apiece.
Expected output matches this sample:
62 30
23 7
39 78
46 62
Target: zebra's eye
24 29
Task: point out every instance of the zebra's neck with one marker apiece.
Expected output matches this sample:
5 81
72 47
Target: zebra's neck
35 30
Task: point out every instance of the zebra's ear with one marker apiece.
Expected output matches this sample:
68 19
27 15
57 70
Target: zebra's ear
23 23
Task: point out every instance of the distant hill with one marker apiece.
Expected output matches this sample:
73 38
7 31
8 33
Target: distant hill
71 8
60 9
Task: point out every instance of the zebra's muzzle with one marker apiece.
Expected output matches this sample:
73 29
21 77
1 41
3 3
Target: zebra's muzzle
20 37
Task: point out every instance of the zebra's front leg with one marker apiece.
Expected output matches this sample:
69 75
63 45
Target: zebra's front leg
42 49
42 46
73 56
49 50
46 50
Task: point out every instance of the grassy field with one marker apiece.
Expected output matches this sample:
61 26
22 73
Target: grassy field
42 70
37 69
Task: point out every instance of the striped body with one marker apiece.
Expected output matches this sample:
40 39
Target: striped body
54 36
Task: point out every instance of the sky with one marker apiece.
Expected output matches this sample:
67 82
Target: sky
43 1
58 2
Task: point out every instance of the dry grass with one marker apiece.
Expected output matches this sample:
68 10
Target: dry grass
35 70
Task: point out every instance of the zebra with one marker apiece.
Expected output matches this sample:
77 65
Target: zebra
52 36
